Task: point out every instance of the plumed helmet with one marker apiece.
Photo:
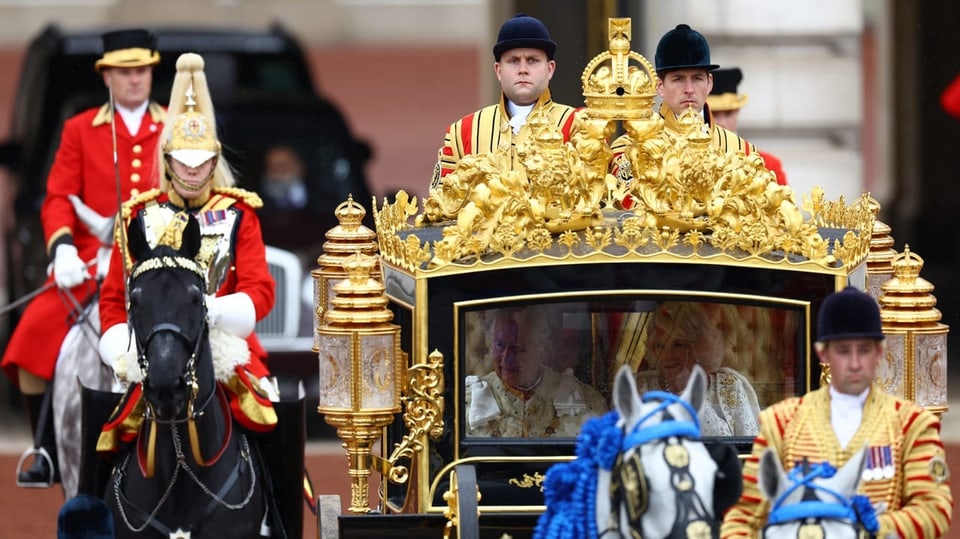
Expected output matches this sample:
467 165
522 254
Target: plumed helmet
128 48
683 48
724 94
524 32
192 140
85 516
849 314
190 131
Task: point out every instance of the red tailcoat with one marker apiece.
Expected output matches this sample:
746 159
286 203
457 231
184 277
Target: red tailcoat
83 166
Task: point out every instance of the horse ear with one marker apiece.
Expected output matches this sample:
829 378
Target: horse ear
847 478
190 241
771 475
137 240
625 397
696 387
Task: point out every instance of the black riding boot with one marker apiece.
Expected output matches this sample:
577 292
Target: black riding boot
41 474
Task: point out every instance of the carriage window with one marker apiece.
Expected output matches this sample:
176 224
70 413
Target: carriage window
540 370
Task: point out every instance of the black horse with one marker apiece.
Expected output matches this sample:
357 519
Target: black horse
191 474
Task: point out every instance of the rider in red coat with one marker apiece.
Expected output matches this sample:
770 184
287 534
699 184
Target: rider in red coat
83 174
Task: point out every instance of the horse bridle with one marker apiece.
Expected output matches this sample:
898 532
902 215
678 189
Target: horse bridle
811 511
172 262
193 412
628 482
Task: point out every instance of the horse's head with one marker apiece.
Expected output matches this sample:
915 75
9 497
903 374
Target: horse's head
168 314
663 456
816 499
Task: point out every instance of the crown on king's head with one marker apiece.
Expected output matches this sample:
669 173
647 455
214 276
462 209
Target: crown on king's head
619 84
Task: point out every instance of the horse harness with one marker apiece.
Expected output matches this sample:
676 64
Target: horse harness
148 455
629 487
811 511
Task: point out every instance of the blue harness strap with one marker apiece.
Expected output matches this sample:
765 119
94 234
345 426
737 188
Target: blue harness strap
856 509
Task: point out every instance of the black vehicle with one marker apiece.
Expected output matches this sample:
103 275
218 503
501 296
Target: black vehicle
264 96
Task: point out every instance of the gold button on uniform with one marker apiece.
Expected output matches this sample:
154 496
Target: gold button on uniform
134 192
137 148
135 163
135 177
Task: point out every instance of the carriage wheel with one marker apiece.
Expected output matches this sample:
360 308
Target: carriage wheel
463 498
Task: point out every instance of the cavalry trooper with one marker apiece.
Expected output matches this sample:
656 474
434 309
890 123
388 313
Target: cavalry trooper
196 180
84 176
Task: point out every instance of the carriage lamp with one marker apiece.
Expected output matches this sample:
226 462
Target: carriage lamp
915 363
360 363
348 237
881 254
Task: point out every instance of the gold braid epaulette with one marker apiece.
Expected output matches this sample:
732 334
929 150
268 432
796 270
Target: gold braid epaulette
247 197
126 210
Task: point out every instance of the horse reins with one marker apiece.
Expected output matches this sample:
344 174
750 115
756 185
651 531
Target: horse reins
193 412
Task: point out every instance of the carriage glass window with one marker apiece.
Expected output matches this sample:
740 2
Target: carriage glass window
539 369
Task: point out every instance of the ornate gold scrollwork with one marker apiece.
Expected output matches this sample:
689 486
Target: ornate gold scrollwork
529 481
423 413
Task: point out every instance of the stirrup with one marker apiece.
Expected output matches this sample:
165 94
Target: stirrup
37 453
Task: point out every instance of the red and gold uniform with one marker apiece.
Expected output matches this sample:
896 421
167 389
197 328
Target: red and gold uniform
488 130
906 467
232 252
84 167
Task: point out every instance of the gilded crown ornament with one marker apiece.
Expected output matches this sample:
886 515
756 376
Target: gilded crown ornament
619 84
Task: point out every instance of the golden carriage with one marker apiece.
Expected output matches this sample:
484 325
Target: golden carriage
404 313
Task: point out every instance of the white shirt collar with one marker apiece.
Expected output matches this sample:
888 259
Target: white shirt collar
846 414
133 117
518 114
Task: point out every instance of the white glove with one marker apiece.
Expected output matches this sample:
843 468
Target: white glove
68 269
233 313
118 350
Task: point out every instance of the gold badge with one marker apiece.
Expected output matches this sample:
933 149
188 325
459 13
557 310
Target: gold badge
939 471
676 456
810 531
699 529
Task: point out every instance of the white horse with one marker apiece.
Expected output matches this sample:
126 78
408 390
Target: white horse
641 471
79 362
815 500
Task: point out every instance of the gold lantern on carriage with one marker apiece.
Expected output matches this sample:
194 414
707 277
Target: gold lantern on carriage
915 364
360 362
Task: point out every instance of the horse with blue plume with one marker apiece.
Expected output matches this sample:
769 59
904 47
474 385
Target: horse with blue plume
816 500
642 471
